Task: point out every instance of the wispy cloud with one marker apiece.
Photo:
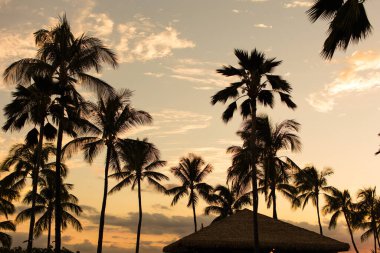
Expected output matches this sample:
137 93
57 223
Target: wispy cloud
296 4
264 26
361 74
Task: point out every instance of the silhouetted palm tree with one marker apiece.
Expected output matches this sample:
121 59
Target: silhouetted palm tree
46 204
252 68
191 171
112 116
141 160
8 193
368 208
339 203
348 23
31 104
225 202
310 184
277 170
65 58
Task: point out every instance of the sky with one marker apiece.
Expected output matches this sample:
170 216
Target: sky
168 53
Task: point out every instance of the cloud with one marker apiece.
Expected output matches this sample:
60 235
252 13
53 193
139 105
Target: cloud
296 4
143 40
360 74
264 26
171 121
152 224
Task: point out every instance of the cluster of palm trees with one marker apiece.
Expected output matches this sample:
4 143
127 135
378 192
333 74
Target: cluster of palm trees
47 98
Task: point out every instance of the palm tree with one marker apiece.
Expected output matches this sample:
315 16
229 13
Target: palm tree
31 104
141 159
9 191
191 171
348 23
112 116
310 184
252 68
66 59
46 204
225 202
368 208
277 169
340 203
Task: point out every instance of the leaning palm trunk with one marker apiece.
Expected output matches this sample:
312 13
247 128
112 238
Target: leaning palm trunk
35 175
104 204
319 217
58 183
194 214
255 195
273 192
140 217
351 234
49 231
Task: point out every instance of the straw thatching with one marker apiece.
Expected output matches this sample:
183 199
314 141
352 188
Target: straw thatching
235 234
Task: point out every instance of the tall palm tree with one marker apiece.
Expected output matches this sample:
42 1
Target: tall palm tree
31 104
340 203
65 58
46 204
252 68
348 23
368 208
141 159
310 184
112 116
225 202
191 171
277 169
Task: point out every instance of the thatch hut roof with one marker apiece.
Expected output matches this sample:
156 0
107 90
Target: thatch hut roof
235 234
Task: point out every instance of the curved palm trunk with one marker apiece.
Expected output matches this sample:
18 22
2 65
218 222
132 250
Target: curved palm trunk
374 232
104 204
351 234
194 214
58 183
274 201
255 194
319 217
49 232
140 217
35 173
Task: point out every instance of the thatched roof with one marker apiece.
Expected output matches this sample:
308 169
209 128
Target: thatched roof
235 234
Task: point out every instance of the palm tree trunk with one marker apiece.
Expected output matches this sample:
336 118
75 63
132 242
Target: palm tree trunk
254 176
35 173
194 214
49 232
319 217
273 191
58 183
374 232
104 204
140 217
351 234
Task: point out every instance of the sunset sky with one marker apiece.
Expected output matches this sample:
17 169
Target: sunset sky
168 53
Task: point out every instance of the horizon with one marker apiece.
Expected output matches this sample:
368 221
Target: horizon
168 55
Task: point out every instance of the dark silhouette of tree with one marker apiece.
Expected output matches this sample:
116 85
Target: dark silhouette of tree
277 170
141 159
310 184
191 171
66 59
31 104
112 116
348 23
252 68
9 191
46 204
340 204
368 209
225 202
